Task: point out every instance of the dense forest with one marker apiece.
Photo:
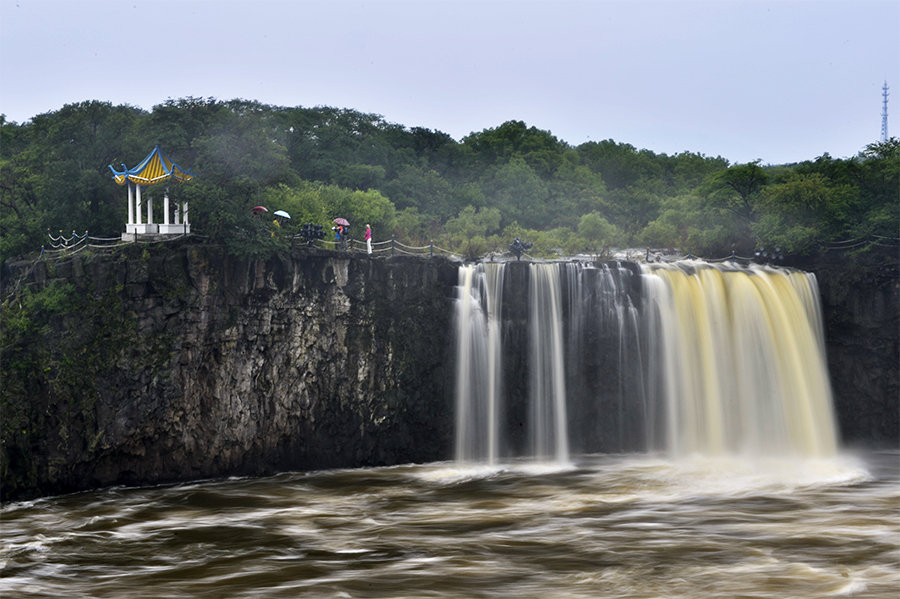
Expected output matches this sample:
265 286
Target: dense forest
473 196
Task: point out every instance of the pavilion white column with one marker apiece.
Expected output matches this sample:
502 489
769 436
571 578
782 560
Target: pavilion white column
176 209
137 205
149 210
184 213
166 207
130 203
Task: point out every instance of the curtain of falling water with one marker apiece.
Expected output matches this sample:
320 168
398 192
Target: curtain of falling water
742 361
547 392
731 361
631 362
478 356
605 386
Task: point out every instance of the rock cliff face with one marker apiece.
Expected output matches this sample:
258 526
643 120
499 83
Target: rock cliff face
861 311
212 366
179 363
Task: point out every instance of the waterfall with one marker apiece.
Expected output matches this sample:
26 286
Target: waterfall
547 391
478 358
688 358
534 361
604 361
741 360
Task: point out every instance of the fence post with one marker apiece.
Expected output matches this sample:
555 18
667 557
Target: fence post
392 245
431 251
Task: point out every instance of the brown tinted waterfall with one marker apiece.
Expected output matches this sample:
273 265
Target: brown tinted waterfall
689 358
741 361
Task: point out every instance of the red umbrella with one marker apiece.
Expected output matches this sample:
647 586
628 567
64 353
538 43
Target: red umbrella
260 209
341 221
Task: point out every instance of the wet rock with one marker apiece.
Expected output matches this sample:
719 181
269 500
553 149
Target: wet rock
223 366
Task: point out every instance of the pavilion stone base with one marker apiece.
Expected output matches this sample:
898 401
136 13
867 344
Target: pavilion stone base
147 231
142 229
172 229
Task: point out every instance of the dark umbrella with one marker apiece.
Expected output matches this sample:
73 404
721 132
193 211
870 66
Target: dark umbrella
260 209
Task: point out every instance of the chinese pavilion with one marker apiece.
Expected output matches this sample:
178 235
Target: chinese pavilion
156 168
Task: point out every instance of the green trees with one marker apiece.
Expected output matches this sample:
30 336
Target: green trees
55 176
518 192
737 189
540 150
802 209
879 185
474 195
424 189
597 232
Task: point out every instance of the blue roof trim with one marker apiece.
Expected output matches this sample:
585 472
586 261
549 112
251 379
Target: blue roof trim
128 172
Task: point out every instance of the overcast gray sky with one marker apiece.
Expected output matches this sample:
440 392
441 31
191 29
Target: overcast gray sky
781 81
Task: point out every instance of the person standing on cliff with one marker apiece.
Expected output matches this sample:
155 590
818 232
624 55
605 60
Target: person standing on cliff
368 239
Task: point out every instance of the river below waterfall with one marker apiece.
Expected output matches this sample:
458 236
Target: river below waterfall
606 526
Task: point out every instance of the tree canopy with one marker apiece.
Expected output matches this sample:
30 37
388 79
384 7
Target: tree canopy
473 195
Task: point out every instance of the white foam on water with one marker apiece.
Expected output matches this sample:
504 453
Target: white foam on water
459 472
734 476
542 468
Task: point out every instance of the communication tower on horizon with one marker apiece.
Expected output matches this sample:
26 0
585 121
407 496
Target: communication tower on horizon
884 95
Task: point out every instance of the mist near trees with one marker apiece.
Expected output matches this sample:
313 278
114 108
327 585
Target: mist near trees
471 196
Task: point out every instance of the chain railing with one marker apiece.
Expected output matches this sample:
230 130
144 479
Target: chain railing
868 240
61 245
391 247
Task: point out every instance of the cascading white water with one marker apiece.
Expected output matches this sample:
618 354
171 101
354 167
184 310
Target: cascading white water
547 390
603 358
479 358
714 360
742 361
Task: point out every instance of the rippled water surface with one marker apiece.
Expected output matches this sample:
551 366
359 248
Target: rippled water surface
622 526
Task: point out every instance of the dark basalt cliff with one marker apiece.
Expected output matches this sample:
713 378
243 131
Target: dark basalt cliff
189 363
861 313
178 363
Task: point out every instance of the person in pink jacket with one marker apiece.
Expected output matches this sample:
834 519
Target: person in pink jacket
368 239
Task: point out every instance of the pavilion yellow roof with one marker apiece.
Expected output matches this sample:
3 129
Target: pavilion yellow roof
155 168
